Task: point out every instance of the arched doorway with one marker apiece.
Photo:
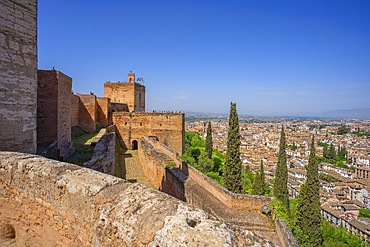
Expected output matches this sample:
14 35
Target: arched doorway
134 145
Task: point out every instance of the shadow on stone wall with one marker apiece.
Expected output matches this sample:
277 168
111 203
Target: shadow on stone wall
49 203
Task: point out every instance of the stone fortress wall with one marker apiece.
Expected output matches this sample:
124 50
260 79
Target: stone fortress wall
175 177
50 203
103 158
75 101
54 110
128 93
18 75
156 158
168 127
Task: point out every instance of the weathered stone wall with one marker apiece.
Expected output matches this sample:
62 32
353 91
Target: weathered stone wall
232 200
103 110
111 128
154 161
139 100
18 75
167 127
64 114
119 107
87 112
54 110
75 103
49 203
285 235
181 181
103 158
132 94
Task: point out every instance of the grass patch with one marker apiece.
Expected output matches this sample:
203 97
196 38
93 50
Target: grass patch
81 142
171 164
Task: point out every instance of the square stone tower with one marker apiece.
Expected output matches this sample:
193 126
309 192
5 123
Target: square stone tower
54 110
18 75
130 93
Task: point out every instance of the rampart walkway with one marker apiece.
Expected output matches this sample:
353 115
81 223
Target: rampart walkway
129 165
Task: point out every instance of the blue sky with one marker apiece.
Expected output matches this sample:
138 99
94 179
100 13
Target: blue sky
270 57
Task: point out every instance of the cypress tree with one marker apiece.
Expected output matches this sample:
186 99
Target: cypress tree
339 152
209 143
262 179
258 187
233 165
325 151
281 173
344 152
308 209
332 151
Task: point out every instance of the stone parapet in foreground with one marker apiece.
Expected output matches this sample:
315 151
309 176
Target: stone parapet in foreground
49 203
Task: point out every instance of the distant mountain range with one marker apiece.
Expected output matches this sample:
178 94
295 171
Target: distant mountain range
363 113
360 113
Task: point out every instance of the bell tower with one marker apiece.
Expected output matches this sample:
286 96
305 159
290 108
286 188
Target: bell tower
130 93
131 77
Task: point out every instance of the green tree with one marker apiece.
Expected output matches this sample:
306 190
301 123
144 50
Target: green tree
262 179
325 151
256 187
339 152
209 143
259 186
308 210
294 146
233 165
331 151
196 141
281 173
205 162
364 212
195 152
343 130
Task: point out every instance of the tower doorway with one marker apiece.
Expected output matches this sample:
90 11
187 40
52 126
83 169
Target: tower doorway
134 145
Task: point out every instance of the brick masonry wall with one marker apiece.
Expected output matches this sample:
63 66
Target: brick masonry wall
18 83
103 111
232 200
54 110
75 102
120 92
139 103
167 127
153 163
131 94
47 106
87 112
64 114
